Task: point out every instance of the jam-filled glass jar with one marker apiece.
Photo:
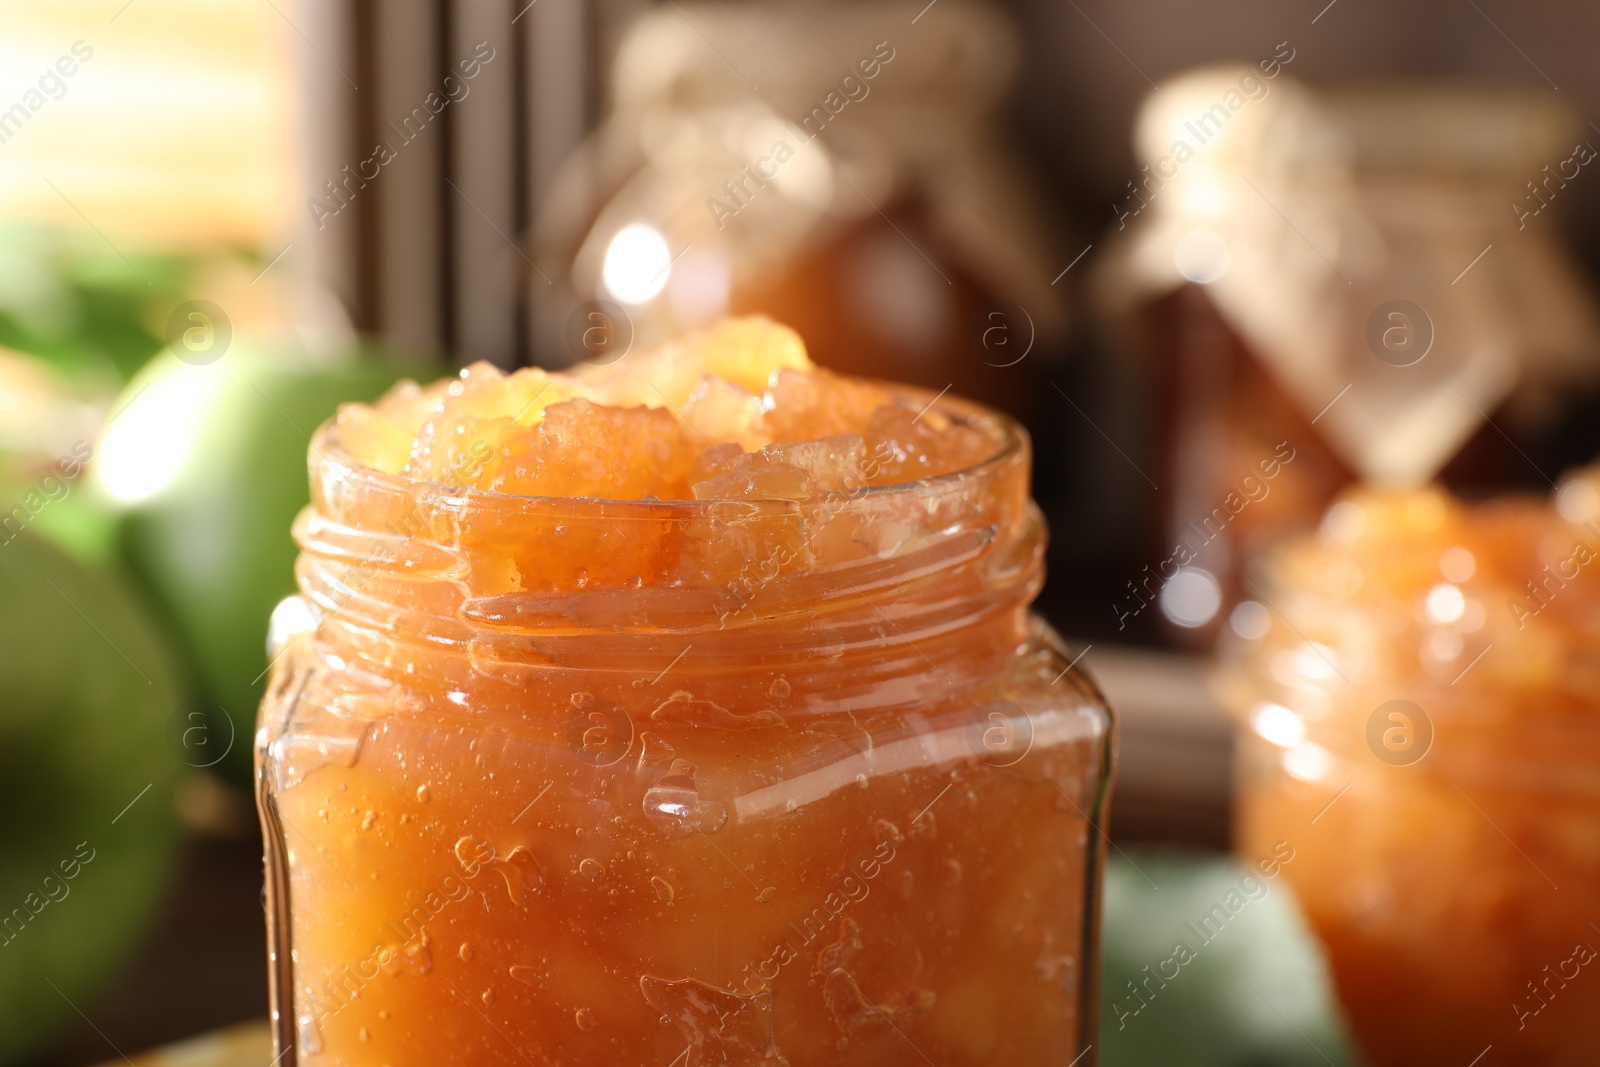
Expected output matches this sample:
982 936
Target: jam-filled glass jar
702 782
1420 696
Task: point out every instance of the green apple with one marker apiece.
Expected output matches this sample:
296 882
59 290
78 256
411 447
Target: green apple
47 425
207 461
87 695
1216 968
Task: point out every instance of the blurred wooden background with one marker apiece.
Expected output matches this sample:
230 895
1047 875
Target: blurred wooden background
213 94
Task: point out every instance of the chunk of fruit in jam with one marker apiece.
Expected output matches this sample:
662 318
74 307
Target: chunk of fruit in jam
905 446
737 412
796 470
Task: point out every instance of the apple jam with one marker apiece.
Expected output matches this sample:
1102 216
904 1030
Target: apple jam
1421 707
684 711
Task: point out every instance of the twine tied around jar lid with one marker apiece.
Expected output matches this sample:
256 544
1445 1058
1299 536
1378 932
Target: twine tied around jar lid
1378 249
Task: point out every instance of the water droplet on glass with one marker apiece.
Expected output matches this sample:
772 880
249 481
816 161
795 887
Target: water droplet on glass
585 1019
843 994
721 1025
664 892
654 749
683 709
422 793
365 1036
487 996
309 1035
582 700
780 689
521 872
417 958
383 1014
952 872
1059 970
472 854
674 804
591 868
766 895
368 819
907 885
526 974
465 952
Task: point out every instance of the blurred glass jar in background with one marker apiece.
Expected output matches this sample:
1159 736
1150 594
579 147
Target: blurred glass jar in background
1422 723
863 194
840 809
1365 274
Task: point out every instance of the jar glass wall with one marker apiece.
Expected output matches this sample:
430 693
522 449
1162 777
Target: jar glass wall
1432 753
749 782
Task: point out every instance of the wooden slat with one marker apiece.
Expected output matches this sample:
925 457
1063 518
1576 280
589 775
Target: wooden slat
488 261
1175 761
409 191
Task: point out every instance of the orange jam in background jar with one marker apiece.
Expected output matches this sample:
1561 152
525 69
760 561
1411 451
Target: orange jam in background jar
684 711
1421 692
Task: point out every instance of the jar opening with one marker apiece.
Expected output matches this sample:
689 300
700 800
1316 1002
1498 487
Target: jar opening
561 582
1005 435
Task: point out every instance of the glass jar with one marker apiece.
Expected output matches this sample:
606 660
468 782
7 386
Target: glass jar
1288 266
558 780
1427 739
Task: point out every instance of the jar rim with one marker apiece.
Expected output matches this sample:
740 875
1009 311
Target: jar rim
501 573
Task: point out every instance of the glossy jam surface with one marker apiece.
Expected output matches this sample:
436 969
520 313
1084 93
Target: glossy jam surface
758 760
737 412
1425 730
